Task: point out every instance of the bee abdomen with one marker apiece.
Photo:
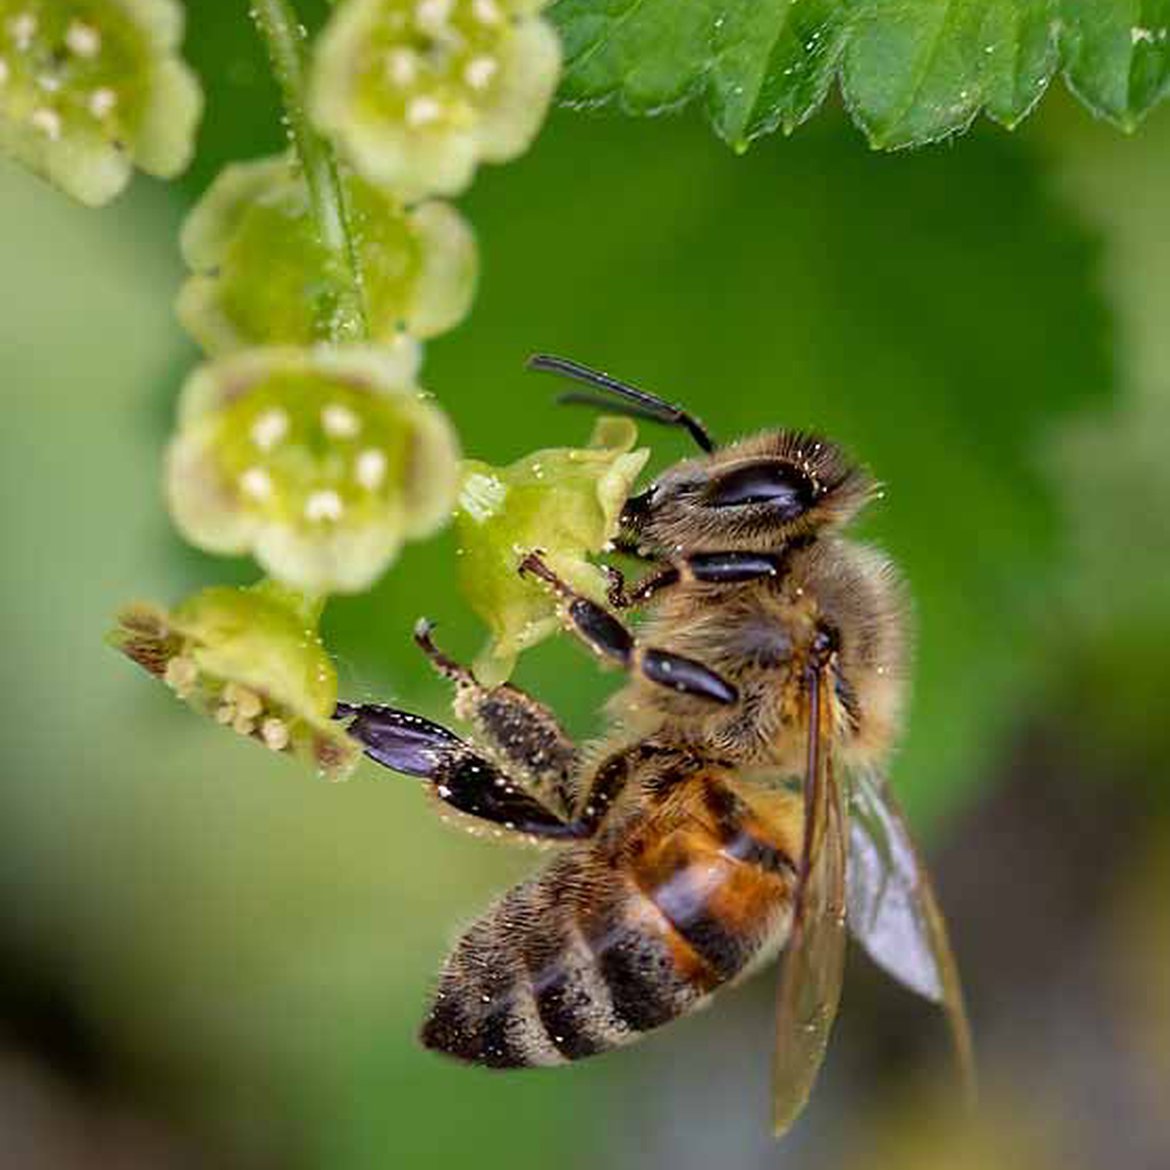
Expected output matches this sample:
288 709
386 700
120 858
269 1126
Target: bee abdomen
728 898
484 1010
649 972
572 964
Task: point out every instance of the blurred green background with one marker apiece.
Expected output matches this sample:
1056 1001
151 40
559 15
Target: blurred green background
208 957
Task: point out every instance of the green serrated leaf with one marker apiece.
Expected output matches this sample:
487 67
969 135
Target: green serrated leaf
919 70
1021 56
1117 55
912 71
757 64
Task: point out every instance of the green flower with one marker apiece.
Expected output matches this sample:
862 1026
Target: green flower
320 462
89 88
261 273
252 660
417 92
564 501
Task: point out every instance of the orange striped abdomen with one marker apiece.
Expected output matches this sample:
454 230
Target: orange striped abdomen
608 943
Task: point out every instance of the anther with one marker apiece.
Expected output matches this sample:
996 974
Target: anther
83 40
370 468
269 428
422 111
478 74
324 505
47 121
274 733
401 66
102 102
339 422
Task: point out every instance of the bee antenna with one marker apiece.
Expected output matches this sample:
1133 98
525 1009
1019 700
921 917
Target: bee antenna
630 400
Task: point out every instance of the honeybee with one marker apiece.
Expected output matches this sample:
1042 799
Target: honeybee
737 808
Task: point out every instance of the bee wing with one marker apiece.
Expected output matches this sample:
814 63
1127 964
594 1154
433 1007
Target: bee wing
813 966
893 911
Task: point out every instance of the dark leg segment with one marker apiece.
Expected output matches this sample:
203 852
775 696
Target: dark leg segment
473 785
714 568
606 636
733 567
462 778
621 598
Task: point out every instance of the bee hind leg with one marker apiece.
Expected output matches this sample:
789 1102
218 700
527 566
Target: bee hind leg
608 637
518 730
460 777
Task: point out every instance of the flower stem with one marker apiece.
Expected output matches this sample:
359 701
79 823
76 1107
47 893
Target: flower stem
342 315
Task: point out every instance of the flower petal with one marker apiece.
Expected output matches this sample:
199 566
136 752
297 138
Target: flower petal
530 67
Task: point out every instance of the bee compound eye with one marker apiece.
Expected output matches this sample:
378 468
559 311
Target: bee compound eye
783 488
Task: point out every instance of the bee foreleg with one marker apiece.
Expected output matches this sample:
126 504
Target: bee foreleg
713 568
461 777
622 598
607 636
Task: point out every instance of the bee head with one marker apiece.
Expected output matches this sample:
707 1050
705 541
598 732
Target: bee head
756 494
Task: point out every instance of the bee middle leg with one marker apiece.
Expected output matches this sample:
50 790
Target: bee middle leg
608 637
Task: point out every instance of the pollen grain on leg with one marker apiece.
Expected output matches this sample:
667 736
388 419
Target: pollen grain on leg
181 675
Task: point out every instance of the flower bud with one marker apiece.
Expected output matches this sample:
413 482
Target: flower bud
564 502
261 275
250 659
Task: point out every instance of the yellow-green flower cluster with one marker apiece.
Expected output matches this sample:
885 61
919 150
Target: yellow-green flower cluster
250 659
418 92
91 88
306 440
298 444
